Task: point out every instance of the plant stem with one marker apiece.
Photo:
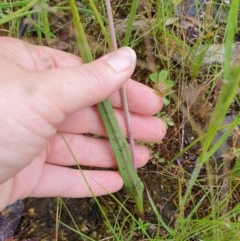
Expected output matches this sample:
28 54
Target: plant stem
132 182
123 89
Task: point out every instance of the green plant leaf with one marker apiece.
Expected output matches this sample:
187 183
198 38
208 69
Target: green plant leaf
163 75
154 77
166 101
169 83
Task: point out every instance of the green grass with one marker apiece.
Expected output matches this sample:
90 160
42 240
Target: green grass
202 208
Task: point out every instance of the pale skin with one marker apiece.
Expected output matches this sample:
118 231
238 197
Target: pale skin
45 95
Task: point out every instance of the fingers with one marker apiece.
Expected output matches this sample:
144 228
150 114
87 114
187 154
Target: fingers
33 57
66 182
41 58
88 120
87 151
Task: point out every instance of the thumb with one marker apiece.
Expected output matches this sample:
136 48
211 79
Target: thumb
88 84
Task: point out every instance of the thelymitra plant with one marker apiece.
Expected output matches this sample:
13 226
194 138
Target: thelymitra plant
124 156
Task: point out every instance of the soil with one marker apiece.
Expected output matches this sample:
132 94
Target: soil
163 173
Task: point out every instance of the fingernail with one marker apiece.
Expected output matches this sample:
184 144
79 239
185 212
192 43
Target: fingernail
121 59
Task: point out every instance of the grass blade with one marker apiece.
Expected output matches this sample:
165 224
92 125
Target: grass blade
132 16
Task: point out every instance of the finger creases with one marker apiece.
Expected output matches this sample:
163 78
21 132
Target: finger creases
72 183
88 120
70 149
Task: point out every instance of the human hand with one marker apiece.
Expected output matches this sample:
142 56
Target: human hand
48 96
